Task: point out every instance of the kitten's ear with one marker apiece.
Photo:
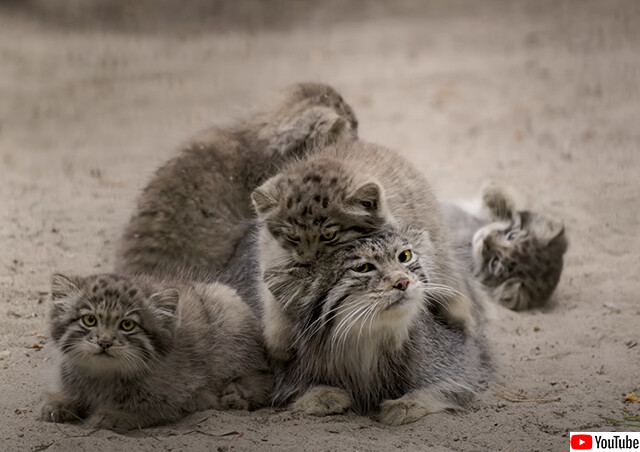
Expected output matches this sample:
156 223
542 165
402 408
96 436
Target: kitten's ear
265 197
368 196
498 202
548 230
510 295
165 303
63 286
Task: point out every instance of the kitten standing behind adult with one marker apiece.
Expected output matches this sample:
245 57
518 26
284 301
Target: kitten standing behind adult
195 209
134 352
517 255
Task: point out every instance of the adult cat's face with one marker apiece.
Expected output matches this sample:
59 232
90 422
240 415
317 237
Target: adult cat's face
520 259
317 205
104 324
376 283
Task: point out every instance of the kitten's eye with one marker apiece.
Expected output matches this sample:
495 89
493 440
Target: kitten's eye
328 236
89 320
494 264
512 234
324 97
405 256
127 324
364 268
293 237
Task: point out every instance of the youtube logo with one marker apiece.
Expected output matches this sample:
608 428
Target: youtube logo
581 442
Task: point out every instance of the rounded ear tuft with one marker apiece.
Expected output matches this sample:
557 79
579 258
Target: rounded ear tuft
165 302
63 286
368 196
265 198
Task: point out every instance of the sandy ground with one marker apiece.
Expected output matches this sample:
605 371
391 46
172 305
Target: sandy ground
543 96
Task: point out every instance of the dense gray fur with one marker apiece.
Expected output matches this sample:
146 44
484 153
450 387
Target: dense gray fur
192 347
343 192
367 341
516 255
195 209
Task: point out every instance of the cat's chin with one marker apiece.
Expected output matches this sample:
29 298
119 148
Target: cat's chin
402 309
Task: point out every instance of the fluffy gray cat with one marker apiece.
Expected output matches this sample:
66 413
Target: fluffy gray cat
338 194
364 336
133 353
194 211
516 255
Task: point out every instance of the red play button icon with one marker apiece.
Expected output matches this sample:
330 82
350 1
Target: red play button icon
581 442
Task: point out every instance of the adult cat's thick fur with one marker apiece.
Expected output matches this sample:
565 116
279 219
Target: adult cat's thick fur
364 337
343 192
135 353
194 211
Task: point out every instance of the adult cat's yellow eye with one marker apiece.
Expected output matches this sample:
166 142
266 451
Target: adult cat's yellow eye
329 235
89 320
127 324
364 268
405 256
293 237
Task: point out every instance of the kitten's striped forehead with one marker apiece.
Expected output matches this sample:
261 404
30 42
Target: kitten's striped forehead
111 295
310 191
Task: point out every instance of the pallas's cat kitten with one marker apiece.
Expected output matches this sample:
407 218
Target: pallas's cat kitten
517 255
365 337
343 192
133 353
195 209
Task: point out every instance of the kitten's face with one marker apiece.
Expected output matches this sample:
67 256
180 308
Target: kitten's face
107 325
313 94
316 206
521 259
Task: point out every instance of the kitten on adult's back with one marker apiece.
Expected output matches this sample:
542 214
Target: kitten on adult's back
134 352
195 209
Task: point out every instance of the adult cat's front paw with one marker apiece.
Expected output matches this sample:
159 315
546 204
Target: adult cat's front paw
113 420
233 397
57 408
323 401
402 411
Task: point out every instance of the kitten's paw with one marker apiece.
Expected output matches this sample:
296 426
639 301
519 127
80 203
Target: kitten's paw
233 397
323 401
497 201
57 408
401 411
113 420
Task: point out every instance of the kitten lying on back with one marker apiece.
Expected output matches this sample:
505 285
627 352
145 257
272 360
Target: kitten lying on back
364 335
135 354
341 193
516 255
194 211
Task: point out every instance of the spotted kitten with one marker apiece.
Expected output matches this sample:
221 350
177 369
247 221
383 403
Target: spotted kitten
365 337
341 193
195 209
133 353
516 255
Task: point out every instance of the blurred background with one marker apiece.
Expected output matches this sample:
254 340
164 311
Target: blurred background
541 95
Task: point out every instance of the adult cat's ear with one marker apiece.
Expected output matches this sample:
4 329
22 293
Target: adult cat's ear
368 197
265 197
510 295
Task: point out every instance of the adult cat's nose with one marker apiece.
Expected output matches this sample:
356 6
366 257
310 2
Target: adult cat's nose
401 284
105 343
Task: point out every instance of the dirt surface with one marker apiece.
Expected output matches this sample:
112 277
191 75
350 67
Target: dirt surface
543 96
